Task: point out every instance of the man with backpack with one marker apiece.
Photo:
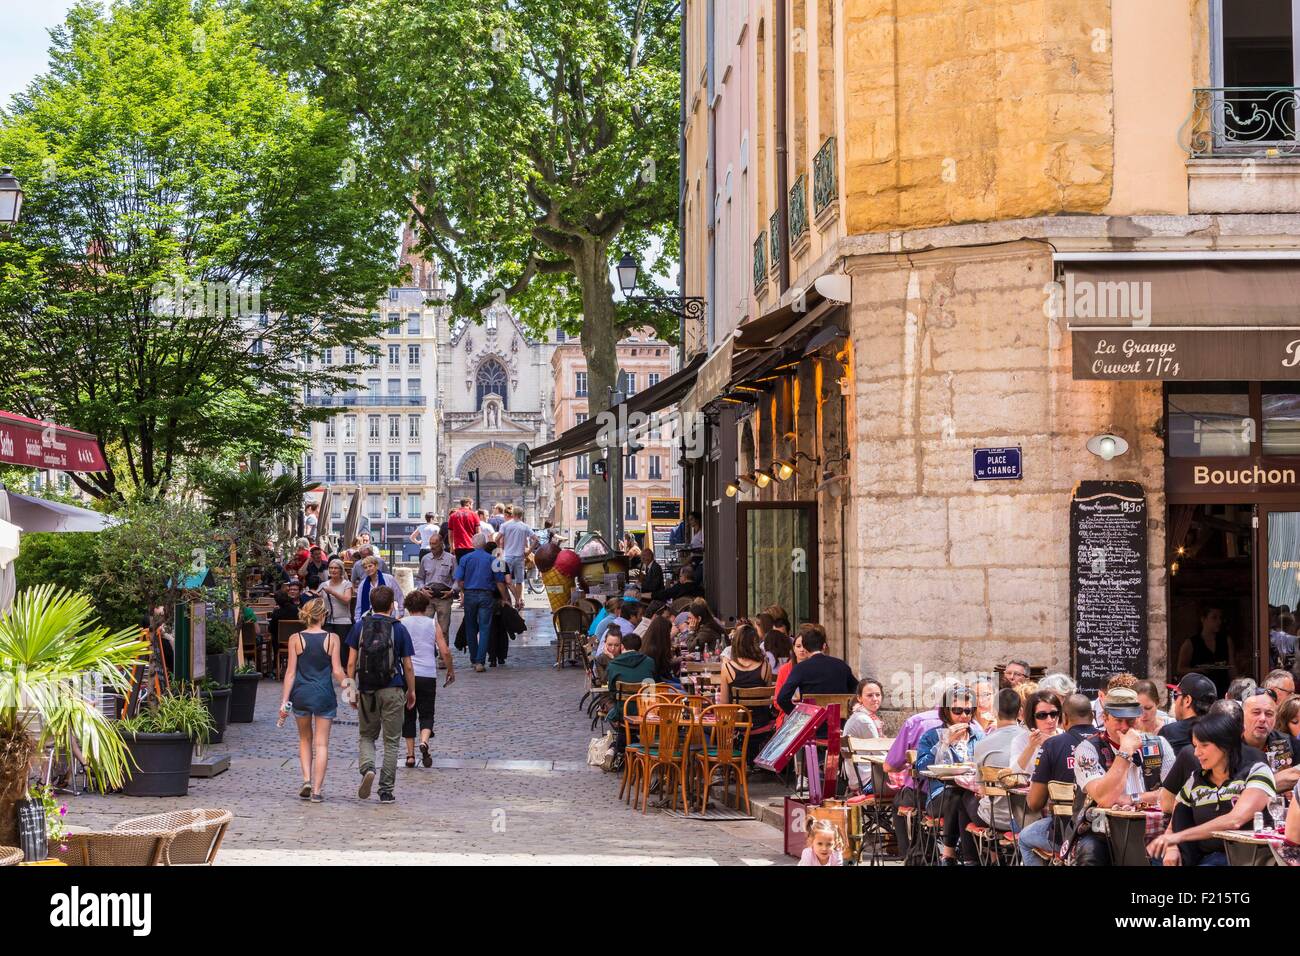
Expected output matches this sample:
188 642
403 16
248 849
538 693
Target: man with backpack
381 664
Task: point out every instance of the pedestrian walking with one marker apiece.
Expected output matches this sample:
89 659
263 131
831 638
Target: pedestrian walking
336 591
482 585
437 575
423 533
429 641
372 577
516 537
309 689
384 672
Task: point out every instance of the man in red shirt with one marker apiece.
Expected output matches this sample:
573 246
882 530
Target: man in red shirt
462 525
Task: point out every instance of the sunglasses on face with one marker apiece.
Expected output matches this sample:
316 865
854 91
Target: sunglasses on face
1046 714
961 711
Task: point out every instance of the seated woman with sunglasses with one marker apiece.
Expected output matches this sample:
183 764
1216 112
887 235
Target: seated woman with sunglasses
1042 720
952 742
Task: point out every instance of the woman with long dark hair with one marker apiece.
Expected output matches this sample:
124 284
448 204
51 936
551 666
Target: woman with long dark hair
746 667
952 742
1042 721
657 644
1223 793
706 633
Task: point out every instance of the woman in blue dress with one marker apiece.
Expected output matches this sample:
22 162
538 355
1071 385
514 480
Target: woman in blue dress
309 686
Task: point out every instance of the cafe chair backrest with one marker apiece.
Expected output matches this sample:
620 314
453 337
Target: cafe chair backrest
665 726
568 618
753 696
726 728
283 629
1061 795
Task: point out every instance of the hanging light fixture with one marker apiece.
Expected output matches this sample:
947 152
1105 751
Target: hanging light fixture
11 197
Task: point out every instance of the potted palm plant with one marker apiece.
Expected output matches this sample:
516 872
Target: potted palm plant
243 694
161 739
51 649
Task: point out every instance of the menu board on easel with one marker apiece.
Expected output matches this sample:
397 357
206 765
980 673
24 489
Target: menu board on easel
798 728
1108 581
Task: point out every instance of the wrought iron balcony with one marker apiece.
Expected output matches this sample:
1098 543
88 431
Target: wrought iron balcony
365 401
825 189
1241 121
774 241
798 210
760 261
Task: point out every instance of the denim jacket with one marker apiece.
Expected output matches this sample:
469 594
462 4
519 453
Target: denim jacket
928 751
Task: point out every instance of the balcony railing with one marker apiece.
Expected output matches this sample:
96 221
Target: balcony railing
798 210
774 240
1242 121
365 401
396 479
760 261
825 190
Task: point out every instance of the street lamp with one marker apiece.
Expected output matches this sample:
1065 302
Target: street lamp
11 197
682 306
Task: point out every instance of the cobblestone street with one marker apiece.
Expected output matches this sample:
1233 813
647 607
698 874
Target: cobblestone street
509 785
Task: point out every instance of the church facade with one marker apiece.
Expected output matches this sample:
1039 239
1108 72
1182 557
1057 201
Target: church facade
494 394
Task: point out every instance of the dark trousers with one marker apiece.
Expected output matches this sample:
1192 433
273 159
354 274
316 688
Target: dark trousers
426 695
960 807
1091 850
479 606
905 798
342 631
460 553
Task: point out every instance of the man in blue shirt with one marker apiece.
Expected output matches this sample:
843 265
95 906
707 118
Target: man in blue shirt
481 578
384 709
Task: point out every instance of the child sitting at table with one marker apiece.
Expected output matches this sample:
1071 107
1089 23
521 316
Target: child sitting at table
825 845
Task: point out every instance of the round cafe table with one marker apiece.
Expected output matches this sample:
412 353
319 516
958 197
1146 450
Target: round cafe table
1246 847
1129 830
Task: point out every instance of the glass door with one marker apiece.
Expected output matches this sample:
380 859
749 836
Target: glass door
778 558
1281 573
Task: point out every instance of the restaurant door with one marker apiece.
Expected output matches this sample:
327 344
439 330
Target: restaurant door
1232 483
778 558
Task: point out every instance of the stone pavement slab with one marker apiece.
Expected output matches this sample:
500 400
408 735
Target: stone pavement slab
509 786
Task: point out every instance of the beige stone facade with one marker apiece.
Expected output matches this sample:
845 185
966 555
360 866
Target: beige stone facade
949 155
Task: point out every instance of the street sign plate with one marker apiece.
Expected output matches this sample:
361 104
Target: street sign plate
997 464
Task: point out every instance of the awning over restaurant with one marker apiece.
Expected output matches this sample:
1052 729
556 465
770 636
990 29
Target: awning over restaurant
1182 320
583 439
37 444
40 514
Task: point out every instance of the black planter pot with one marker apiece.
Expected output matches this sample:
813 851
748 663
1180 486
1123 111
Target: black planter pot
243 697
160 765
218 704
219 667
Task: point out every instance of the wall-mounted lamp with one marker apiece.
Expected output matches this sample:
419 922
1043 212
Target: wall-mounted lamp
736 487
1107 446
761 478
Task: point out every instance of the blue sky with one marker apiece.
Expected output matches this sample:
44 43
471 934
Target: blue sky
24 41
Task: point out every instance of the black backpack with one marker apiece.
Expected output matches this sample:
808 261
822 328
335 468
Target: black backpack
377 663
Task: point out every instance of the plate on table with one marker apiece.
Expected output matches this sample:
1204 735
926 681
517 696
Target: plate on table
949 769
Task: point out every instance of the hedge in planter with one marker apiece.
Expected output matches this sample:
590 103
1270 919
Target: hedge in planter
161 741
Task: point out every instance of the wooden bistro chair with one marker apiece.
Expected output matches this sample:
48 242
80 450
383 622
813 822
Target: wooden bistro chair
666 731
725 732
757 698
283 631
988 838
635 699
570 637
1060 797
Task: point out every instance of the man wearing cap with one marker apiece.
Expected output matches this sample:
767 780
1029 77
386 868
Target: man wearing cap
1118 765
1193 696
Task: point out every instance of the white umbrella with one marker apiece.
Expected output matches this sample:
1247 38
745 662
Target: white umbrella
8 553
38 514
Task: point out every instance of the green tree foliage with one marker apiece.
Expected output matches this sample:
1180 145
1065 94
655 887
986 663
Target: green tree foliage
170 175
146 557
529 140
64 559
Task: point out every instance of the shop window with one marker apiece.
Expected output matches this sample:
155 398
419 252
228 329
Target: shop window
1280 407
1209 420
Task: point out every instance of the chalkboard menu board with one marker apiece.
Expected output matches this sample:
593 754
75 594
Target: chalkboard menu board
1108 581
665 509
